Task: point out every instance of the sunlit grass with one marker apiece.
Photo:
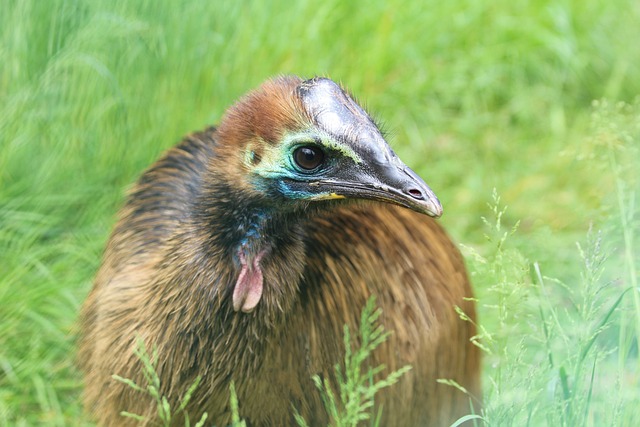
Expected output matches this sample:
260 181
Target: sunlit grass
475 95
166 415
549 352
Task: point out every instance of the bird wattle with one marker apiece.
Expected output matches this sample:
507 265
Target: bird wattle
248 288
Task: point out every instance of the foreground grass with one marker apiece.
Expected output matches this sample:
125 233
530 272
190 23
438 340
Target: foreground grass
476 96
350 405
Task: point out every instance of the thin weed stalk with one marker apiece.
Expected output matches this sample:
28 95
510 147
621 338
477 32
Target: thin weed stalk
353 401
165 413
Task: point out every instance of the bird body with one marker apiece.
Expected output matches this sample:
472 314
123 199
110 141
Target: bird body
240 255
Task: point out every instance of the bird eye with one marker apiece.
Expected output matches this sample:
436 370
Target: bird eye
308 157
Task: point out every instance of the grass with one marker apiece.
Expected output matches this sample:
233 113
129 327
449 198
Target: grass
353 402
535 99
348 406
165 413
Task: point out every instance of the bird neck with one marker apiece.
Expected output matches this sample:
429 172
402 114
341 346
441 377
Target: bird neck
259 246
254 245
252 230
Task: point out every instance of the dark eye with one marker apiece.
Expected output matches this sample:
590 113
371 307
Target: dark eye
308 158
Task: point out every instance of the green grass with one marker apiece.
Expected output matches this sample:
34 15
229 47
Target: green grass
353 402
166 415
476 96
350 405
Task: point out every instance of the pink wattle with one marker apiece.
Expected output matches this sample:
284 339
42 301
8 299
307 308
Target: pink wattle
248 289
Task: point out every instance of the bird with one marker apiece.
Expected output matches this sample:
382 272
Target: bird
240 255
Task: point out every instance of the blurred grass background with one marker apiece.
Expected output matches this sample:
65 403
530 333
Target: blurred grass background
537 99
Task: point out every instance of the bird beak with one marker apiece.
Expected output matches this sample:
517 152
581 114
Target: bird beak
377 173
391 182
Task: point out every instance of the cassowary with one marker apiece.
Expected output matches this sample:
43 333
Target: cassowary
242 253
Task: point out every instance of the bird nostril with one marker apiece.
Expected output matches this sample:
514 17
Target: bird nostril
415 193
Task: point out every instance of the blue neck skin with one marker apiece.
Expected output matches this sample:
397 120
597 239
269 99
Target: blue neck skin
252 243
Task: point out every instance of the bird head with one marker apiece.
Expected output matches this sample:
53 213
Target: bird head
293 142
